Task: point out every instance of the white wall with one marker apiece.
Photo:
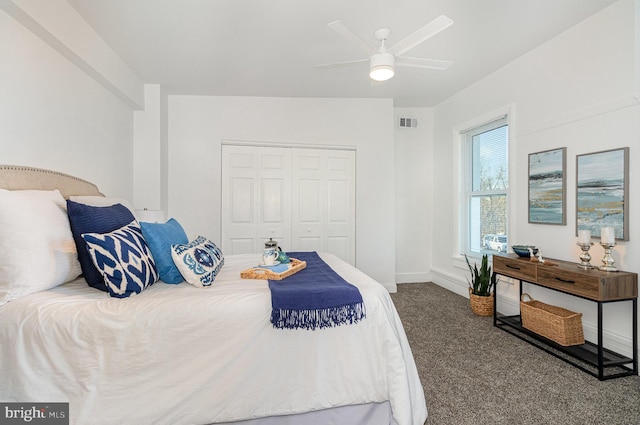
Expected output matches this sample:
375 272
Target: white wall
53 115
198 125
413 195
147 151
579 90
576 91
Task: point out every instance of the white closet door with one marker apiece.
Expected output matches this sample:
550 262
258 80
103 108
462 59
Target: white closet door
256 200
302 198
323 200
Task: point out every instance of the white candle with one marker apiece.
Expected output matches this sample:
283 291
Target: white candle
584 236
607 235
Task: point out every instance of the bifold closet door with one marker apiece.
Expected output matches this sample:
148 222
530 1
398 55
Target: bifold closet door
302 198
256 197
323 201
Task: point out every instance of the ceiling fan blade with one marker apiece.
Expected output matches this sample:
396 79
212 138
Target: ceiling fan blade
428 31
423 63
340 64
345 32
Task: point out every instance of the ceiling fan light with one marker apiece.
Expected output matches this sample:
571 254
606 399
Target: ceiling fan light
381 73
381 66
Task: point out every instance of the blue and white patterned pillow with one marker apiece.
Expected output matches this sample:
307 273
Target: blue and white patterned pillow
199 261
124 260
89 219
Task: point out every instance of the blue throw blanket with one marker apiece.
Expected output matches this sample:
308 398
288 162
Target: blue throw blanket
315 297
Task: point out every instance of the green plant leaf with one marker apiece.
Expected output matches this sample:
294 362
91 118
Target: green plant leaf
482 280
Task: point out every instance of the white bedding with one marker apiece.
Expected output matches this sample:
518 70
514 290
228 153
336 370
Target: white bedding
176 354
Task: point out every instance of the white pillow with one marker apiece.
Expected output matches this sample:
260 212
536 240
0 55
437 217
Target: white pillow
102 201
37 250
199 261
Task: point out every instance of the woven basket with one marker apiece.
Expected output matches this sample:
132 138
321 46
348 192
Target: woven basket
481 306
555 323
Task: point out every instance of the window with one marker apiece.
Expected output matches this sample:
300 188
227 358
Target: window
486 180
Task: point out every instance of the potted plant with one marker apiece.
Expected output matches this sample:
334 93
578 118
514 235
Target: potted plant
481 287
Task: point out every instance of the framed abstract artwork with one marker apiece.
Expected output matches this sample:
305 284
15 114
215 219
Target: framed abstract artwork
548 187
602 192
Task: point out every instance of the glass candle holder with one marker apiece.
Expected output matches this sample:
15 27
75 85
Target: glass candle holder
585 257
607 259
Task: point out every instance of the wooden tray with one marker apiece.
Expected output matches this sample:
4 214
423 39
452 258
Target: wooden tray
266 274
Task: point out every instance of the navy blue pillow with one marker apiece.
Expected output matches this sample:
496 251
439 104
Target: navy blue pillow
89 219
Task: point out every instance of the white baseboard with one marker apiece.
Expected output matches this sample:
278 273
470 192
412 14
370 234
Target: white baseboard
449 282
391 287
415 277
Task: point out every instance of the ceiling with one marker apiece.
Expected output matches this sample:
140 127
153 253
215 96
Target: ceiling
270 48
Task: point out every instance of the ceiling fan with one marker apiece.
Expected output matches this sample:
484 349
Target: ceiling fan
383 60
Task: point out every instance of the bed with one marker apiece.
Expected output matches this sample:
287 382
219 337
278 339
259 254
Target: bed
177 354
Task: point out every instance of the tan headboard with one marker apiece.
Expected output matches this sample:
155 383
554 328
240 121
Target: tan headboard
16 177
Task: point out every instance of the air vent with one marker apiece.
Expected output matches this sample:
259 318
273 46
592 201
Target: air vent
408 122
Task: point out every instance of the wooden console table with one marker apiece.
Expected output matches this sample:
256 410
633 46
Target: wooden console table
594 285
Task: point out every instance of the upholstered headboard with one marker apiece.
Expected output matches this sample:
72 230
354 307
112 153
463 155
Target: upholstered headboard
16 177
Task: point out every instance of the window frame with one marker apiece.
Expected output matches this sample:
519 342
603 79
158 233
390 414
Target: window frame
467 193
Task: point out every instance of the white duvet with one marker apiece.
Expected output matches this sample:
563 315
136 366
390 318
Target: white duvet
176 354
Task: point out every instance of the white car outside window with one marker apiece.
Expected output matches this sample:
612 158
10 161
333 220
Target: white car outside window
498 243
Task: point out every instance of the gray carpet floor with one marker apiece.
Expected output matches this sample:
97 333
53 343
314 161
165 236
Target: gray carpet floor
476 374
